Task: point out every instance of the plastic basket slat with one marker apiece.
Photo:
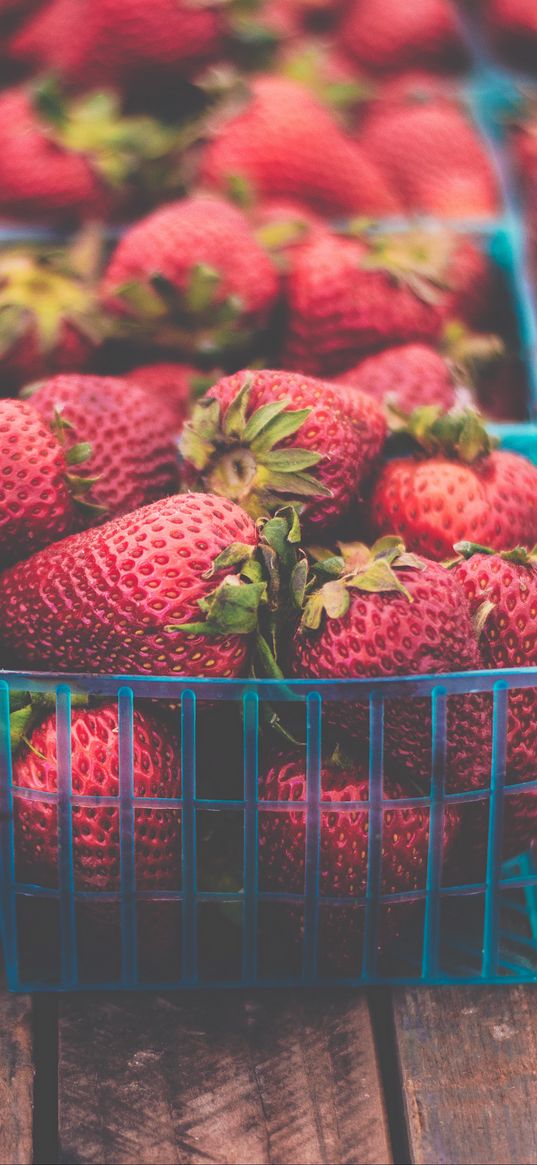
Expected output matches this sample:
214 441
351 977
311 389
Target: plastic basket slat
374 838
127 862
66 879
8 928
313 836
250 858
188 839
491 925
431 926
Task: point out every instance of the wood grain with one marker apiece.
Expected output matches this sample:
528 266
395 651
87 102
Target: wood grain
468 1059
220 1077
16 1079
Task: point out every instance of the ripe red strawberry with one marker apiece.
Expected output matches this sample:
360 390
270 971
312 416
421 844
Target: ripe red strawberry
267 438
455 179
407 376
39 487
193 276
286 144
107 599
507 583
171 388
82 159
49 317
95 773
386 613
347 297
344 849
455 487
118 42
133 455
401 34
501 590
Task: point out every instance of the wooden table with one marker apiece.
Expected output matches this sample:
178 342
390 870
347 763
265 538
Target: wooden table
448 1075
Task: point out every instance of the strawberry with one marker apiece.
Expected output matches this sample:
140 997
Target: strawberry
49 316
110 598
407 376
95 773
455 179
344 849
286 144
385 612
455 486
347 297
502 593
193 276
171 388
264 438
118 42
38 488
501 590
400 34
62 160
133 457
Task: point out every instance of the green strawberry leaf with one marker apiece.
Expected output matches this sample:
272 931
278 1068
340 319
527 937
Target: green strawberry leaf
234 421
297 485
336 599
202 287
278 428
142 299
379 577
299 579
290 460
20 722
78 453
260 419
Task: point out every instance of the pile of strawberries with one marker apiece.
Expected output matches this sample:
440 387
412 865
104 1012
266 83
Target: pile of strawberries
241 423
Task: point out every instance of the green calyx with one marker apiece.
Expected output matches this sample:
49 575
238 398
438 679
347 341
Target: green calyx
42 290
519 555
308 66
196 319
356 567
28 709
123 150
79 485
418 259
470 353
240 456
460 433
261 592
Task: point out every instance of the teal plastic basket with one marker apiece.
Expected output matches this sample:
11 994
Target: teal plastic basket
452 932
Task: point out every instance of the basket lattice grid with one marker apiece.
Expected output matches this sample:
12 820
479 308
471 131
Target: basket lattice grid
453 947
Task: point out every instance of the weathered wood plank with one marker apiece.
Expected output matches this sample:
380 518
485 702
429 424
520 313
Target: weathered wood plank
468 1060
16 1079
221 1077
